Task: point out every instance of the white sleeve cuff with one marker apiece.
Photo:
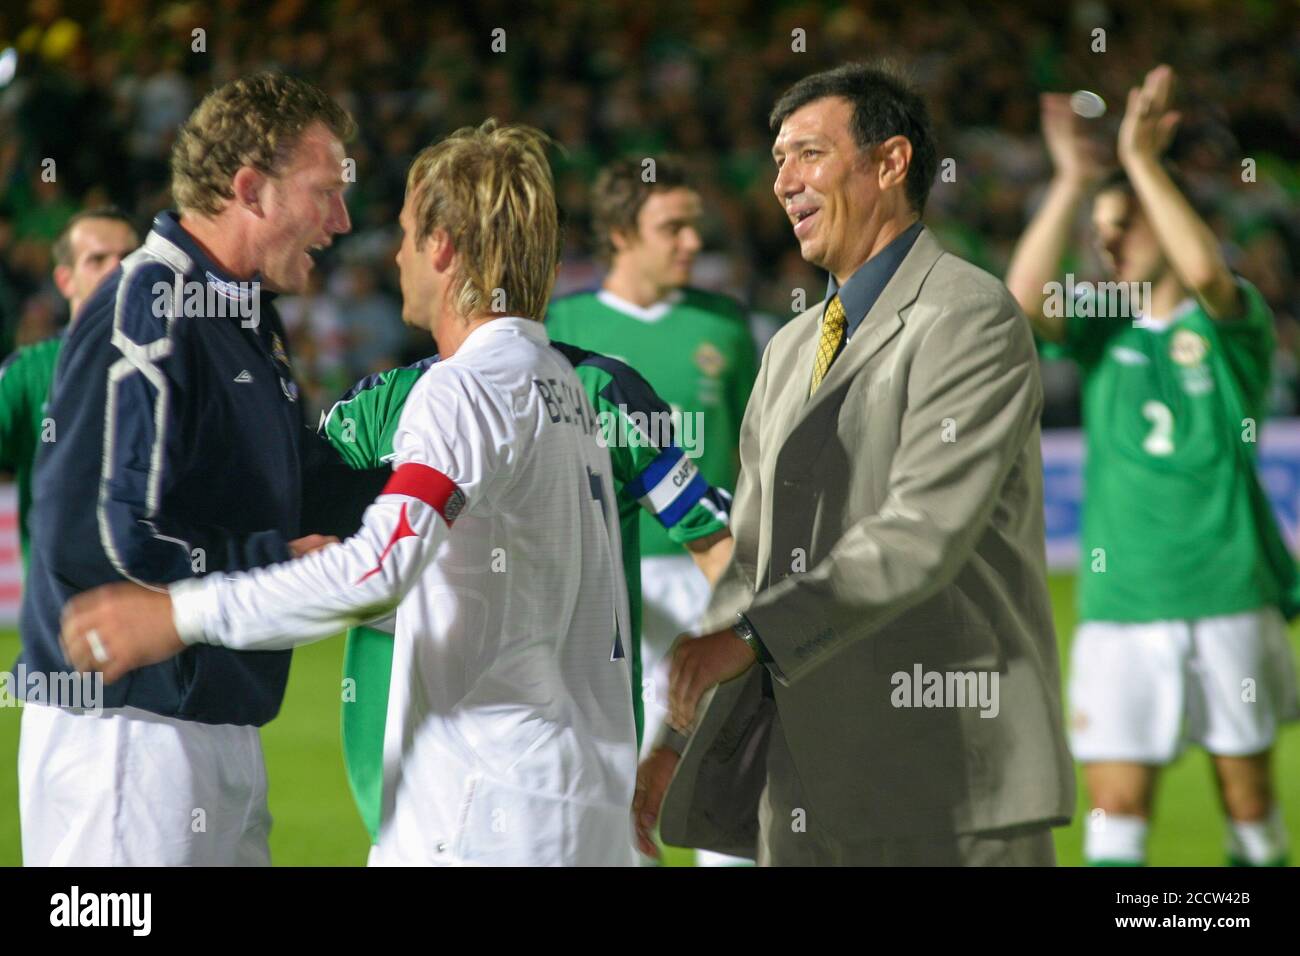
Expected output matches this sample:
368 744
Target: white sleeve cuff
194 605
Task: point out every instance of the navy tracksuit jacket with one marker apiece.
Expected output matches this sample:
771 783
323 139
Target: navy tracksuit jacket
180 448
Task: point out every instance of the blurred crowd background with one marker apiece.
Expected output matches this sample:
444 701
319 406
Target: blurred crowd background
100 87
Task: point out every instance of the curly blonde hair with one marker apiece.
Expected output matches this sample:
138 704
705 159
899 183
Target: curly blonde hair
491 189
254 121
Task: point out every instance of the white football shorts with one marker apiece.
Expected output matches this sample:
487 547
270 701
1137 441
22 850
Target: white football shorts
125 787
1141 692
674 596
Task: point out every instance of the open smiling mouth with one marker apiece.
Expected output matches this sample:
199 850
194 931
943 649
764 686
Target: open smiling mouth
801 221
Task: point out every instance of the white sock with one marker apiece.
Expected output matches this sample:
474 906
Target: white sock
1112 838
1258 842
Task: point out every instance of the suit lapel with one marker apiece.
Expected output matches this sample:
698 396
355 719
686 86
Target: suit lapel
881 324
788 398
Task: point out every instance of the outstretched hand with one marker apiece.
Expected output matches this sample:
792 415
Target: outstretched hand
118 628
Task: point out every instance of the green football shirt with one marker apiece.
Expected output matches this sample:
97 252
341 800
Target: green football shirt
648 476
25 378
695 350
1175 522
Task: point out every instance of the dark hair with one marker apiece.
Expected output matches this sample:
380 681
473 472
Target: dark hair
885 104
62 249
1117 179
621 190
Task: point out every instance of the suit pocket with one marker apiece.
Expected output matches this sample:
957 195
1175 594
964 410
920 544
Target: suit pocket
943 647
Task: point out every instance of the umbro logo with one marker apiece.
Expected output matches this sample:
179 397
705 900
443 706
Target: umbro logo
244 376
1128 356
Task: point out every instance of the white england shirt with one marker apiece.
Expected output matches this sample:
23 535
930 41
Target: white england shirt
510 735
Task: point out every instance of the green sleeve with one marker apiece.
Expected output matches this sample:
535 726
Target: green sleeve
25 378
14 410
630 412
558 326
1248 344
343 428
361 424
1086 335
700 522
617 431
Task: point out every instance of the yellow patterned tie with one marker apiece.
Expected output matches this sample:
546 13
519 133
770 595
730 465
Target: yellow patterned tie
832 338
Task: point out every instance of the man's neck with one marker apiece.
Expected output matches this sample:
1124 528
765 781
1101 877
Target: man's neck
1166 294
632 287
225 245
885 233
455 329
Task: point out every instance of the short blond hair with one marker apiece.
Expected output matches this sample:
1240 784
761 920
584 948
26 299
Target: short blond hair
491 189
254 121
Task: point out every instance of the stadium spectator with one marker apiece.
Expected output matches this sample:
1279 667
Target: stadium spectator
372 322
626 77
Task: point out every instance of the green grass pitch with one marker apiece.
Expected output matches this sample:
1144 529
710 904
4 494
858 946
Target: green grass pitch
316 825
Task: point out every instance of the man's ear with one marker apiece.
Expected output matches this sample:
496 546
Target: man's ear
622 239
440 249
248 184
895 158
63 280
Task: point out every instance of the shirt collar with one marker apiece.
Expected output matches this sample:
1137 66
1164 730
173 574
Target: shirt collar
1159 323
167 227
507 323
863 288
652 313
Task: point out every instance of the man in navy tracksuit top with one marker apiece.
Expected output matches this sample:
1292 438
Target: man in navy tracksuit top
181 449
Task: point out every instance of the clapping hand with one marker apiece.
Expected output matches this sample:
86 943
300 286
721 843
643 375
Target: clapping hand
1149 123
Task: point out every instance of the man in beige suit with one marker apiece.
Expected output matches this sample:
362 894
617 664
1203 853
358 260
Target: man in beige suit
880 685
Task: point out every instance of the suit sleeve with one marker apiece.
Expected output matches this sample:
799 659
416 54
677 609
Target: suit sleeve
973 399
454 443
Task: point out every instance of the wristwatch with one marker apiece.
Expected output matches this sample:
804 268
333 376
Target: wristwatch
745 631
